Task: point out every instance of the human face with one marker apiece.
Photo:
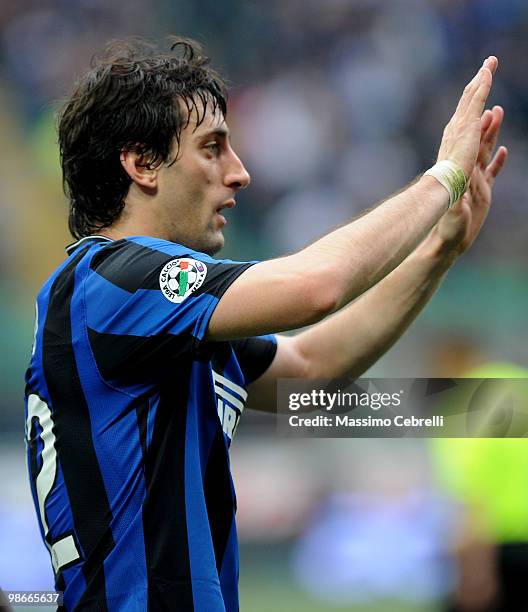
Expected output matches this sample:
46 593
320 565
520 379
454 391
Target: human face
202 182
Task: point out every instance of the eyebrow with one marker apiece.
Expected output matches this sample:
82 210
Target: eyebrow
220 131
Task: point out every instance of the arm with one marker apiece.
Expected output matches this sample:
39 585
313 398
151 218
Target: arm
305 287
352 340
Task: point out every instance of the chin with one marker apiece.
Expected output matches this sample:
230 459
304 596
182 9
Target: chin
213 245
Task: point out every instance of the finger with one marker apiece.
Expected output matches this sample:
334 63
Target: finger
494 128
485 122
492 63
489 63
469 91
476 105
496 164
488 139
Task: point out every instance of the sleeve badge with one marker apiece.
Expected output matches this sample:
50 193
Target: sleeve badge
181 277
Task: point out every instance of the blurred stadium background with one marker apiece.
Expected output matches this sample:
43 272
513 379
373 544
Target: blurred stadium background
334 105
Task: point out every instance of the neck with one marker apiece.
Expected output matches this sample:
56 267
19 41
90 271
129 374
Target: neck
137 220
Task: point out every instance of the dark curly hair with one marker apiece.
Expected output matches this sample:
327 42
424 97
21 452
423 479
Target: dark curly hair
135 98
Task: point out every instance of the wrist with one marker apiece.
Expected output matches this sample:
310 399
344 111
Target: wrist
440 252
431 190
451 176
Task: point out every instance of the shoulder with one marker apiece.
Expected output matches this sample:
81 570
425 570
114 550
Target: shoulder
137 262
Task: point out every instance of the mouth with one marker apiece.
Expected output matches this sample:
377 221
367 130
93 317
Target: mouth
228 204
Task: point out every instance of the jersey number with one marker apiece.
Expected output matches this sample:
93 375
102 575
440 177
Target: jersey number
64 550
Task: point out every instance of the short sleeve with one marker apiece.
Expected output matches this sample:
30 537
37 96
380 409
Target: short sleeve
148 302
255 355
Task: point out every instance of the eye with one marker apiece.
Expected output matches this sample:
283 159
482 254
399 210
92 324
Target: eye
213 147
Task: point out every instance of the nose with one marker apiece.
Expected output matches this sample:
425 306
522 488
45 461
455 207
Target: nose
236 177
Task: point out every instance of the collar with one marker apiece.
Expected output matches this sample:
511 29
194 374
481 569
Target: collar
72 247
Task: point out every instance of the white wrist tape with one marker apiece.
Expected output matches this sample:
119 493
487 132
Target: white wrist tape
451 176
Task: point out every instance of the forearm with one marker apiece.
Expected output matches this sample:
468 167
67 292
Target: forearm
355 257
306 287
349 342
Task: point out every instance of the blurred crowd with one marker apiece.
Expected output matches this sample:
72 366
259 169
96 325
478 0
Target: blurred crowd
334 104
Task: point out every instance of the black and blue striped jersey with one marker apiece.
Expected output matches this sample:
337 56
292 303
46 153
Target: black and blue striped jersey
129 416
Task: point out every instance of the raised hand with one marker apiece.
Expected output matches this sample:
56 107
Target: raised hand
459 227
461 138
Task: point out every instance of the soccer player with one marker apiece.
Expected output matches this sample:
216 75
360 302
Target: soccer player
146 346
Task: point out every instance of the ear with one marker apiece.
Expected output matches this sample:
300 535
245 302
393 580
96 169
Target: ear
142 174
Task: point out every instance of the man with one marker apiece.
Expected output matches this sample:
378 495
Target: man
146 347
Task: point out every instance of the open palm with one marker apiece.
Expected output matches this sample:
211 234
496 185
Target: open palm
461 224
